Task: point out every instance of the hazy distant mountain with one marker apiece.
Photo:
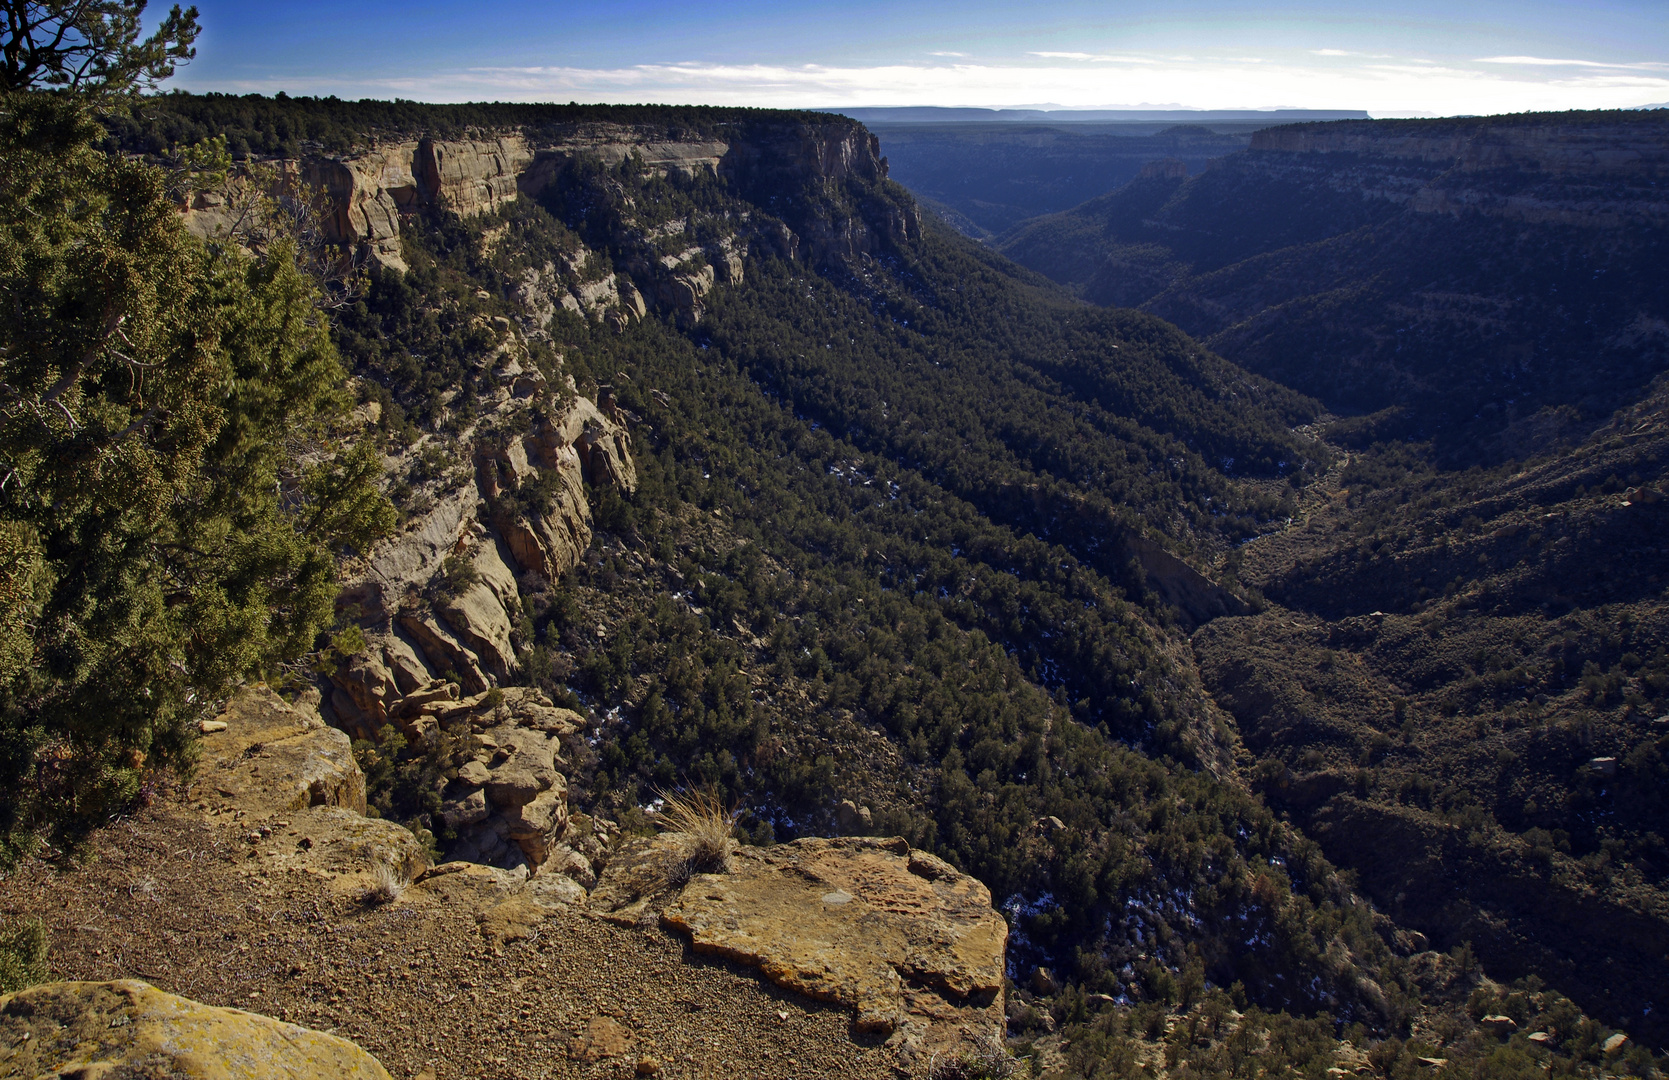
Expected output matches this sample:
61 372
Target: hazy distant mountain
984 170
874 117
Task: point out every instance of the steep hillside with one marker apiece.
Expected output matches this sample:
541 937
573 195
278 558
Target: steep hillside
1462 691
1490 282
882 491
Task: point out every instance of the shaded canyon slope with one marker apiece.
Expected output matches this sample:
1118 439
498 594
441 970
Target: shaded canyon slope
1493 282
897 529
1461 690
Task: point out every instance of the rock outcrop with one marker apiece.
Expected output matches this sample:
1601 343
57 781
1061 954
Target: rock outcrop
910 944
294 784
1195 596
434 639
363 196
509 802
267 756
130 1030
367 192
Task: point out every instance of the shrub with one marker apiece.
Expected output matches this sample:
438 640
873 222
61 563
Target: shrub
457 576
385 888
23 944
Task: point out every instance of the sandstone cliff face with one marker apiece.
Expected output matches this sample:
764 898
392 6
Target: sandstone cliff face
431 644
368 192
610 144
474 176
1587 170
833 161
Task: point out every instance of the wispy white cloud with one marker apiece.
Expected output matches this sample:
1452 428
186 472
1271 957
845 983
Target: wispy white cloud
1543 61
1348 52
947 52
1425 70
1400 88
1100 57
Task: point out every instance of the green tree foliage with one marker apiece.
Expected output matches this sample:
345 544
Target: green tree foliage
259 126
883 597
172 498
90 46
875 502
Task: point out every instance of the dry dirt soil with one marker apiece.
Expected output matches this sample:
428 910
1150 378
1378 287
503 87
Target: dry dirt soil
182 900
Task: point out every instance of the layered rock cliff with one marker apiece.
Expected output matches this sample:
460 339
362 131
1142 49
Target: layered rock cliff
438 604
1598 170
804 172
1596 144
503 503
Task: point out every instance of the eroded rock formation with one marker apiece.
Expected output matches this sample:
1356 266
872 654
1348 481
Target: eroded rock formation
899 936
437 635
363 196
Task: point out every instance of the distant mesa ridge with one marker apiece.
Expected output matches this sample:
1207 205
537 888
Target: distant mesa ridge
933 114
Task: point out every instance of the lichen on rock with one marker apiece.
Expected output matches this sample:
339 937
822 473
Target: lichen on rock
130 1029
902 938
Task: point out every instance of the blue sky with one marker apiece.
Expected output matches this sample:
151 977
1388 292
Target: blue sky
1425 58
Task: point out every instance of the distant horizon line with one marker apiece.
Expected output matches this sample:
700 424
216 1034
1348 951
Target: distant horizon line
922 113
1003 113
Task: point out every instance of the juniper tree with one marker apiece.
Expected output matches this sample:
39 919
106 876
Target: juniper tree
173 496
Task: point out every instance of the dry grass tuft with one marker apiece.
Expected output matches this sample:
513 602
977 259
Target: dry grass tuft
385 888
988 1060
702 816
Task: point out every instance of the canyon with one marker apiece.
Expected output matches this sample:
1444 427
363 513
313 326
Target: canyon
1073 687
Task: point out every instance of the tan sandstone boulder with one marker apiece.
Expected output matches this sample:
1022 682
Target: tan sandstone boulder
266 756
294 785
132 1030
913 946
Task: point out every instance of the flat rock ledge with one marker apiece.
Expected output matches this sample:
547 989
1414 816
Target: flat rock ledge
901 937
132 1030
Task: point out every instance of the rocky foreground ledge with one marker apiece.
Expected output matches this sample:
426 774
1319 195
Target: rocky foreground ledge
877 960
132 1031
897 935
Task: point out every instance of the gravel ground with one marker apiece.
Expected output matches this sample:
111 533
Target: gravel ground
171 897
